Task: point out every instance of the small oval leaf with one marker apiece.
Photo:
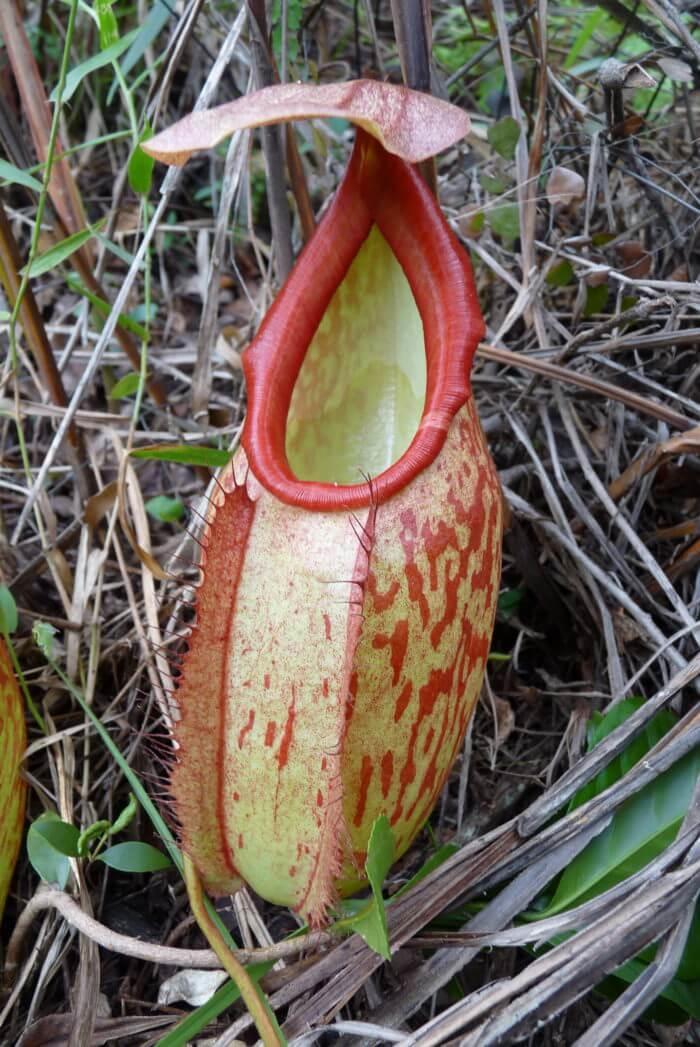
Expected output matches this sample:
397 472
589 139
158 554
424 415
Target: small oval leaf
126 386
135 857
503 136
51 865
169 510
62 836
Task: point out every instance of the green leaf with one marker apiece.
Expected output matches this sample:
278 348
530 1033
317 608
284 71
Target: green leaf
62 836
509 601
169 510
504 220
109 30
43 634
371 921
597 17
153 23
8 611
503 136
104 308
560 275
596 297
16 175
185 454
78 74
126 816
126 386
642 827
43 263
682 994
433 862
185 1032
135 857
494 185
50 864
140 169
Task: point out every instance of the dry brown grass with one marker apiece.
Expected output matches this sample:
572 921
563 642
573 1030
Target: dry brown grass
594 421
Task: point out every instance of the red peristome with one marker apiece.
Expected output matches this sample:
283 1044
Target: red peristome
378 189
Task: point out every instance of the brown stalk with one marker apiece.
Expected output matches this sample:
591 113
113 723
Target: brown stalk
30 318
299 186
63 191
412 28
35 333
62 188
271 145
584 381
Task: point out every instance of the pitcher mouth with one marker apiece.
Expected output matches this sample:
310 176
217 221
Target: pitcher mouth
382 199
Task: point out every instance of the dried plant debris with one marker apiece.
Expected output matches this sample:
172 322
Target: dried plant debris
552 896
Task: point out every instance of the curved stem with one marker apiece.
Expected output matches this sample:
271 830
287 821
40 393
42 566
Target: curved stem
149 952
250 994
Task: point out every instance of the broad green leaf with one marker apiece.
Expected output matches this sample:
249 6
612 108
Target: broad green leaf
10 173
504 220
684 995
560 275
126 386
52 866
641 829
170 510
103 58
185 454
596 297
8 611
43 263
140 169
503 136
370 923
135 857
62 836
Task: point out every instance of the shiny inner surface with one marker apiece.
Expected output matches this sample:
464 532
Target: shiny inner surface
360 393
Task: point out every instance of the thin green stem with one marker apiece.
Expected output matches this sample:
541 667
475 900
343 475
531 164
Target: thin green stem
31 704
